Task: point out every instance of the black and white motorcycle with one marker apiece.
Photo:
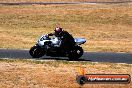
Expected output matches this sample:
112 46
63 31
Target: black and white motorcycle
51 47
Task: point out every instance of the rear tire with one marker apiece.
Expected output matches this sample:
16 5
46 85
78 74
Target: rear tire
36 52
76 53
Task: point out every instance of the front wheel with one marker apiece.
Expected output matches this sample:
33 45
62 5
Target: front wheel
36 52
76 53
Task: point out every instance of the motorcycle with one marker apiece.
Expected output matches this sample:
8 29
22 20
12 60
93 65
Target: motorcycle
51 47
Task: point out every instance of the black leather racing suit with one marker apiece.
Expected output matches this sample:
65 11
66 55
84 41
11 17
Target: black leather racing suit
67 40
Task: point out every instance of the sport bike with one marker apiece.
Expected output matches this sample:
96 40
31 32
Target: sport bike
51 46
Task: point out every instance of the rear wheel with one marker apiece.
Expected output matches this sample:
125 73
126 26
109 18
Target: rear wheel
76 53
36 52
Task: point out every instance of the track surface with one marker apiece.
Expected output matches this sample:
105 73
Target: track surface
59 3
88 56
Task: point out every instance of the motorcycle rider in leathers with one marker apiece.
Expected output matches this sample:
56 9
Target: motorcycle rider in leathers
67 42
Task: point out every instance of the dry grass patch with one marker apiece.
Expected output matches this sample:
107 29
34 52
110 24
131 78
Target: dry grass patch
55 74
63 0
106 27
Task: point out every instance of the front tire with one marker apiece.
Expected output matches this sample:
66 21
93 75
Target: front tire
36 52
76 53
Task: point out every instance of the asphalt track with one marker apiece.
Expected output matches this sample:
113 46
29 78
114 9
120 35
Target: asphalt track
88 56
59 3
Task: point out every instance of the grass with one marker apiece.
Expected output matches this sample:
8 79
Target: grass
51 74
106 27
62 0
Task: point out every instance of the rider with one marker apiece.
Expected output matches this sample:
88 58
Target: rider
67 39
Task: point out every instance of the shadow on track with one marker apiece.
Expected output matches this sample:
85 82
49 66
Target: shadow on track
62 58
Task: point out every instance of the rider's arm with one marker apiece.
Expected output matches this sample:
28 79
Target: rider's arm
51 34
